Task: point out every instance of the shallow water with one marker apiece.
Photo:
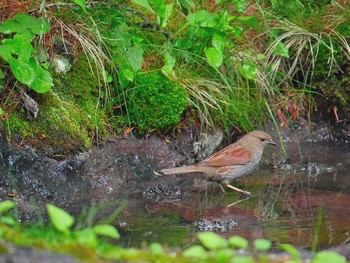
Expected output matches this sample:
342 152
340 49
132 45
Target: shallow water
304 201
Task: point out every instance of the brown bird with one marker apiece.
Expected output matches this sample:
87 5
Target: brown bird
232 162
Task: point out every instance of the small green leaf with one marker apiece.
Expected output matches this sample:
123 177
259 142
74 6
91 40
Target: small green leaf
195 251
6 206
249 20
1 111
8 220
243 259
214 57
248 70
262 244
86 236
281 50
212 241
328 256
169 63
156 248
238 242
81 3
128 74
106 230
60 219
135 57
143 3
291 250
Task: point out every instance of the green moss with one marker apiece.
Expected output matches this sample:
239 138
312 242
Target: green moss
155 102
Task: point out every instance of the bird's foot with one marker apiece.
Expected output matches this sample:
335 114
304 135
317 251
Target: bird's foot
245 194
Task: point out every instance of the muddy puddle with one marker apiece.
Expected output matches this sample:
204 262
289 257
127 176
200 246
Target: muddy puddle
304 200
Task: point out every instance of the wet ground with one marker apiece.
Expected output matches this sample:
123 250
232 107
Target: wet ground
303 199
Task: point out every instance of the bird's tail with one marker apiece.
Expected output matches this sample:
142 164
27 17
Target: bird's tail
182 169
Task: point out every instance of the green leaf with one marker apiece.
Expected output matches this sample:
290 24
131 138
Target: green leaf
219 42
262 244
212 241
106 230
19 46
214 57
10 26
327 257
195 251
156 248
8 220
23 71
1 111
143 3
238 242
43 81
165 15
291 250
60 219
135 57
249 20
6 206
86 236
38 26
169 63
243 259
81 3
248 70
281 50
128 74
187 4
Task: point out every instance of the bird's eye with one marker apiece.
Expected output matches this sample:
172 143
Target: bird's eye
262 139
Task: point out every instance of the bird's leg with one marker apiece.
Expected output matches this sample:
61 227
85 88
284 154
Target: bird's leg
222 188
245 193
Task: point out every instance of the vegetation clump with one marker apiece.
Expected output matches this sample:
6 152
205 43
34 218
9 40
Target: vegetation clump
155 102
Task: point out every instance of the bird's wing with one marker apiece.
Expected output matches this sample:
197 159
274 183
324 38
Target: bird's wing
231 155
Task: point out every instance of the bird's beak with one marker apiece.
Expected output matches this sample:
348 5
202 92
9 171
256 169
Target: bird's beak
273 143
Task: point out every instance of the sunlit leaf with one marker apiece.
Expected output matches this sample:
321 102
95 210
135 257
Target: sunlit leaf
291 250
23 71
248 70
6 206
43 81
219 42
60 219
135 57
262 244
169 63
327 257
81 3
281 50
143 3
156 248
238 242
106 230
212 241
1 111
128 74
195 251
214 57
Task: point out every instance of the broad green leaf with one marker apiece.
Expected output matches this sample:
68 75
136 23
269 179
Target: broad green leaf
202 18
195 251
86 236
135 57
214 57
187 4
238 242
168 10
23 71
212 241
248 70
6 206
106 230
219 42
10 26
43 81
60 219
328 257
19 46
38 26
281 50
143 3
81 3
8 220
262 244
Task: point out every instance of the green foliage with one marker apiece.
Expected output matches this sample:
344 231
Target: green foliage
155 102
86 244
17 50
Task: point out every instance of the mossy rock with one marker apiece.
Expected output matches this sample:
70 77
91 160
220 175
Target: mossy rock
61 127
155 102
